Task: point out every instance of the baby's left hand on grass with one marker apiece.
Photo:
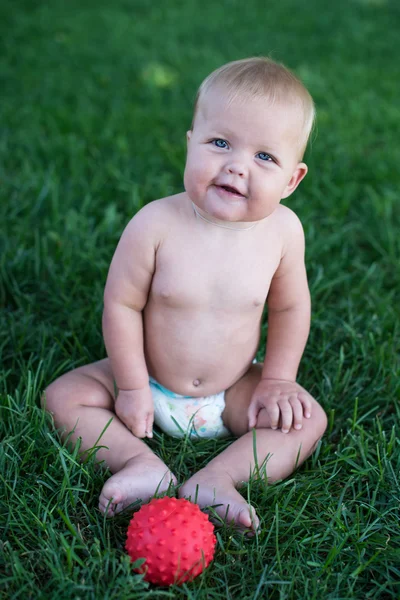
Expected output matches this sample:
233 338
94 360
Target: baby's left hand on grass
283 405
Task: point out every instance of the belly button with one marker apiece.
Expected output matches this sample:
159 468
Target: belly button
196 382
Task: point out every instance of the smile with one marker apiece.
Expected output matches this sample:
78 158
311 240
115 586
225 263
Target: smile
228 189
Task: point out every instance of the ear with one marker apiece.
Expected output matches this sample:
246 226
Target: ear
298 174
188 136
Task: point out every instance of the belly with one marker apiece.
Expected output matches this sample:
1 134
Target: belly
199 353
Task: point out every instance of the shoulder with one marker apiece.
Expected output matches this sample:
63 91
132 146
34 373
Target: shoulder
288 222
155 218
163 208
290 234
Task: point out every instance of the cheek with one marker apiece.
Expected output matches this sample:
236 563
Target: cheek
191 180
270 185
185 175
197 172
266 194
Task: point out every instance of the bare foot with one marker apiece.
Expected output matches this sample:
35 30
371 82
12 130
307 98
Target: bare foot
208 488
140 478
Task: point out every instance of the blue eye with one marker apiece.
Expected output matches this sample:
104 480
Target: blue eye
264 156
220 143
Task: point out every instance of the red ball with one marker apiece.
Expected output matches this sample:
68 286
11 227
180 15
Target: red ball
174 536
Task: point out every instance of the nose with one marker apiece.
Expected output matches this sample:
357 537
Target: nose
236 168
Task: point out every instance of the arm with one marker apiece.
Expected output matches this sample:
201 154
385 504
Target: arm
289 310
127 287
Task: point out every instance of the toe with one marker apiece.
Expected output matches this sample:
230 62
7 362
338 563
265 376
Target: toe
106 509
111 494
248 518
110 508
244 518
110 501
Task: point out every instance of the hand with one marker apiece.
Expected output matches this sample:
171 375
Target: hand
135 409
283 403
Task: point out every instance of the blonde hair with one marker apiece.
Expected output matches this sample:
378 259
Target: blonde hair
261 77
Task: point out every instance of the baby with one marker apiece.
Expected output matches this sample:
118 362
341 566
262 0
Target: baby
184 300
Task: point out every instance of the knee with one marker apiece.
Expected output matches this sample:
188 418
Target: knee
318 420
75 390
61 395
50 399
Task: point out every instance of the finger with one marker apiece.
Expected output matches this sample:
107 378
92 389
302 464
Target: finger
286 416
139 429
252 413
305 399
273 413
263 420
149 425
297 409
139 433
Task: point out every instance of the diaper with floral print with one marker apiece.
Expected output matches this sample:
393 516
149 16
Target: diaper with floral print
180 416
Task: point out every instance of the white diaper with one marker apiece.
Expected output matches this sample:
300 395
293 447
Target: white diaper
179 416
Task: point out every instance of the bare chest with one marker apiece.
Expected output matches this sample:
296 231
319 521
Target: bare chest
216 275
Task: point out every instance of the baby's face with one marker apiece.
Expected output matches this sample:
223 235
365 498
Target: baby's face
243 157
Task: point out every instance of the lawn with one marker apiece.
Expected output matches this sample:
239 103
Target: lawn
95 101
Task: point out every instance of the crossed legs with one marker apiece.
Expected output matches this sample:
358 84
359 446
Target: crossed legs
82 401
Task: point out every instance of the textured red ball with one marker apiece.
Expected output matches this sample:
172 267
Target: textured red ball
174 536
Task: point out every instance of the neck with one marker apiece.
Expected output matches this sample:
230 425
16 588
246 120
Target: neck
235 226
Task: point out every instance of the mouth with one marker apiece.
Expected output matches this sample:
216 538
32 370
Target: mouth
230 190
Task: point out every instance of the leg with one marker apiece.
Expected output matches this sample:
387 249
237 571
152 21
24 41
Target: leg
282 452
82 402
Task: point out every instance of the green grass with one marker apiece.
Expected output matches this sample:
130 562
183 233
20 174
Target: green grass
95 101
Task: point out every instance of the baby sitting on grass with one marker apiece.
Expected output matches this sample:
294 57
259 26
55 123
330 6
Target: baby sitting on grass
184 300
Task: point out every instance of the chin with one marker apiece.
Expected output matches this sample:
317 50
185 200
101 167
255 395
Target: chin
226 211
